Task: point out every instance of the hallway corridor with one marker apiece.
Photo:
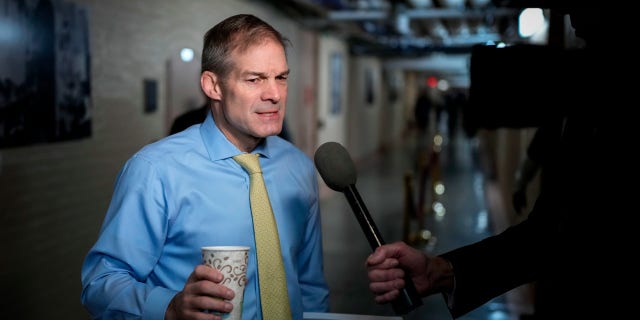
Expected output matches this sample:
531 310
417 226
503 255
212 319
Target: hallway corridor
462 218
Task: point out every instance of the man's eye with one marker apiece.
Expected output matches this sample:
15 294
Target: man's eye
253 80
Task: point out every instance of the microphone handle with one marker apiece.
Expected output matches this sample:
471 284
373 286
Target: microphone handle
409 298
362 214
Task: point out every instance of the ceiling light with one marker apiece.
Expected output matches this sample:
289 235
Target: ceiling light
531 21
186 54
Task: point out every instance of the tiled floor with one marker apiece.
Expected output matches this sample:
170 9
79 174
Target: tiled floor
381 185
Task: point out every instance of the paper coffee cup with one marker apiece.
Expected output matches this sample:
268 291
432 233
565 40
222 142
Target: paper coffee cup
232 262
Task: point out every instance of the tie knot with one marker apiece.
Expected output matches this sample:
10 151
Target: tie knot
249 161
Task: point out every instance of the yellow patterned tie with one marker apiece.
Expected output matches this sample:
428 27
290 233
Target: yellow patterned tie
273 283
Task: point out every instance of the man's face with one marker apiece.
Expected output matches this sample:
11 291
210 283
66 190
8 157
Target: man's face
254 95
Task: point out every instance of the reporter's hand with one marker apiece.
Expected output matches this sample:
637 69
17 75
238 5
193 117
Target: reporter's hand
386 268
201 294
387 265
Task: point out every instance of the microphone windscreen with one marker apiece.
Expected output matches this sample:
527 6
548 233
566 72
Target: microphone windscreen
335 166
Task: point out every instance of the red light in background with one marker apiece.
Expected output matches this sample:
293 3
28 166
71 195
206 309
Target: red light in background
432 81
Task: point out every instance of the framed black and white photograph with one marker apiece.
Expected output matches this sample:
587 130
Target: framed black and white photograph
45 89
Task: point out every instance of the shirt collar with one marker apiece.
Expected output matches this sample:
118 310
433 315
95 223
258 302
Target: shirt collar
219 147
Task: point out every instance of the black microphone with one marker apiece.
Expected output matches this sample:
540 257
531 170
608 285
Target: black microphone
339 173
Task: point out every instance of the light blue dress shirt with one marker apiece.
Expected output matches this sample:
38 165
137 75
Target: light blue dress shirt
184 192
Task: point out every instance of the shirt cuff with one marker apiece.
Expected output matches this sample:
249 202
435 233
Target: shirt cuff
450 296
157 303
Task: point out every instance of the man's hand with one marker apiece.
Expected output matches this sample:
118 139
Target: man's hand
201 295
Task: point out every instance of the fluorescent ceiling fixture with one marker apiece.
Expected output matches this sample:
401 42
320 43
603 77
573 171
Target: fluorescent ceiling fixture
531 21
186 54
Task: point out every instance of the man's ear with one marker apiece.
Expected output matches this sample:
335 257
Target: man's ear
210 85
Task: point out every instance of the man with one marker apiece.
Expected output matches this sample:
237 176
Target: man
186 191
567 241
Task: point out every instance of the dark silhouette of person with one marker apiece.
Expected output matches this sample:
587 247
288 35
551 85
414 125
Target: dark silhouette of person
540 155
422 110
454 103
189 118
576 240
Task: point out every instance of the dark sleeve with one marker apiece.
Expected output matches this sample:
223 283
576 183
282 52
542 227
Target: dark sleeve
544 145
497 264
535 149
